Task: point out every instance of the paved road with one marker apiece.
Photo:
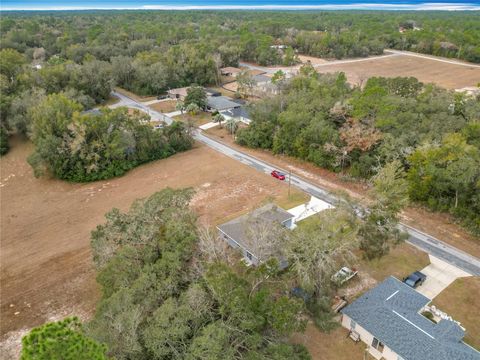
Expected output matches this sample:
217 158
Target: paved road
417 238
131 103
431 57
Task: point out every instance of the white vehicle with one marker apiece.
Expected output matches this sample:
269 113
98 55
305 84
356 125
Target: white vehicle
343 275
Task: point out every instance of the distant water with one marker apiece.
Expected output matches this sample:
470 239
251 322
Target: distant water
241 4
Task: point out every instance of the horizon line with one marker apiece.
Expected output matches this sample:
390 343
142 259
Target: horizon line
467 6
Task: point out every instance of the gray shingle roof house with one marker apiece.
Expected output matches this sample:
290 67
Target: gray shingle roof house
388 318
238 114
220 103
239 235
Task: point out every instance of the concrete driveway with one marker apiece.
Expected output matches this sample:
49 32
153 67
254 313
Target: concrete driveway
439 275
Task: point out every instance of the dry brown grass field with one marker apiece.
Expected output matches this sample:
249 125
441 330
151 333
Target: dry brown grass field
47 272
450 76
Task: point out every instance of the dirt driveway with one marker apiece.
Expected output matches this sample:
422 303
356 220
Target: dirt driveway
46 268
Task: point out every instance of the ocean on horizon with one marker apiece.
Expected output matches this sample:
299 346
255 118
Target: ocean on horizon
241 5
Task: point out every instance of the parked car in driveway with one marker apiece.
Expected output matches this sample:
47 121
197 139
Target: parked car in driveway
415 279
277 174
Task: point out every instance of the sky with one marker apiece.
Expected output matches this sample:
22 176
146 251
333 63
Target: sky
240 4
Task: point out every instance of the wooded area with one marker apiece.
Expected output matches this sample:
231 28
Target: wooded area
434 133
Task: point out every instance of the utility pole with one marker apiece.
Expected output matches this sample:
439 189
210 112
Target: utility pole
289 181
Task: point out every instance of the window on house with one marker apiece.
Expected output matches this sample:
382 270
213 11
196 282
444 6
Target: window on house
352 325
377 344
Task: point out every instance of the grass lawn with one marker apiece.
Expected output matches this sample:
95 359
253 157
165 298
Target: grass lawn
199 119
401 261
165 106
460 301
334 345
134 96
223 91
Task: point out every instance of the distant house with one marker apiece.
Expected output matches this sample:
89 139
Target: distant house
212 92
388 318
237 114
230 71
278 47
236 231
178 94
221 103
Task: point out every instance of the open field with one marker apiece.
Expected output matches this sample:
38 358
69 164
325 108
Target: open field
164 106
440 225
446 75
460 301
47 272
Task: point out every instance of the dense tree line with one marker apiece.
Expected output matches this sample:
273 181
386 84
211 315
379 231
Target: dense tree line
77 146
84 54
434 133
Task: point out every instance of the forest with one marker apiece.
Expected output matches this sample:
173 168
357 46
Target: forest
434 133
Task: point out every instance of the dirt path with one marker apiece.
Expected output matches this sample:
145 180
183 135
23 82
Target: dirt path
46 268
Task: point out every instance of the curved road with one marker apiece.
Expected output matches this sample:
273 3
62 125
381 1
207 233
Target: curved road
417 238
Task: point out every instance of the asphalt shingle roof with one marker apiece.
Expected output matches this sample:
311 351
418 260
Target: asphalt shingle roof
390 312
237 229
237 112
221 103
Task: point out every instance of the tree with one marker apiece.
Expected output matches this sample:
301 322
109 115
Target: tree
245 83
232 126
4 146
11 62
192 109
218 119
315 250
379 229
196 95
180 106
61 340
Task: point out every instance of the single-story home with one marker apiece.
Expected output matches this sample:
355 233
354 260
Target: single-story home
179 93
237 114
230 71
238 235
388 318
212 92
220 103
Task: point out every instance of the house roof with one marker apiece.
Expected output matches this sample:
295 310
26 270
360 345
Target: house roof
238 228
220 103
391 313
237 112
179 91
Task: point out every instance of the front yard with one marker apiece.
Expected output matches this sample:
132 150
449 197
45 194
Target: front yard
460 301
164 106
196 120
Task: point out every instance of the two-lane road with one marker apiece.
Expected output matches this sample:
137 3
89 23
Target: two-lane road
417 238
